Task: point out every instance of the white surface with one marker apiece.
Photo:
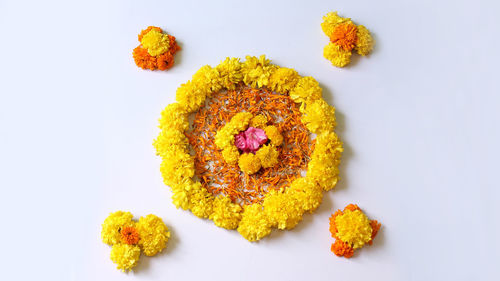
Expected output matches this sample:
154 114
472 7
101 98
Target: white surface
419 118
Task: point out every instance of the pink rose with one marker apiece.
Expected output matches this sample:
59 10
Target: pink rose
250 140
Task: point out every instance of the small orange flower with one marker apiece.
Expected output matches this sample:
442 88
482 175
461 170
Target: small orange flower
130 235
345 36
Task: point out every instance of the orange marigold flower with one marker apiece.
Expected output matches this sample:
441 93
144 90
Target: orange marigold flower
340 249
345 36
130 235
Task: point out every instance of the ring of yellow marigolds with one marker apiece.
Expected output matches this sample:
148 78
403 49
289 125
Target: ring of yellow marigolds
238 134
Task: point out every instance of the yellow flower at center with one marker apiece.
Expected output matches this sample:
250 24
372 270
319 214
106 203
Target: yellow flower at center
155 42
353 227
345 36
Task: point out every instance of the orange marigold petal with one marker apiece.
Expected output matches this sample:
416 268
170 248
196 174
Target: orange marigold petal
375 228
340 249
352 207
333 227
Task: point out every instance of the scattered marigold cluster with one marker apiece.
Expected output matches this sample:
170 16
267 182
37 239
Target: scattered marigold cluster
128 237
352 230
260 155
156 50
280 208
345 37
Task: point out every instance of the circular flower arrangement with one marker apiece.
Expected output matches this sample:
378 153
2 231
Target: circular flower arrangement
344 36
156 50
256 129
128 237
352 230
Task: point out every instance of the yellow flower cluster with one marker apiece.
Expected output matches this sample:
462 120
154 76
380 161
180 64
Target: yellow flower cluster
281 209
128 237
344 36
325 159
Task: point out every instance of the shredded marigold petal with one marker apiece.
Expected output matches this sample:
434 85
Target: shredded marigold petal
220 177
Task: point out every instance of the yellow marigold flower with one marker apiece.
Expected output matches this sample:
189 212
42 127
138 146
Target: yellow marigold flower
208 79
190 96
319 117
174 116
283 79
365 41
180 166
230 73
241 120
125 256
273 133
282 209
268 156
337 55
225 214
169 138
155 42
258 121
154 234
225 136
330 21
307 192
249 163
181 193
201 201
231 155
256 71
112 226
254 224
306 90
323 167
353 227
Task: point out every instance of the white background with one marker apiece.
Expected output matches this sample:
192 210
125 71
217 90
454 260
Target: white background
419 118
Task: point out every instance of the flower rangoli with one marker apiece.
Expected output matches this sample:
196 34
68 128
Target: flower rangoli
249 145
